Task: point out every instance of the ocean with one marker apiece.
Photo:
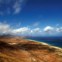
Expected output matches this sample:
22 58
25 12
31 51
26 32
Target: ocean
55 41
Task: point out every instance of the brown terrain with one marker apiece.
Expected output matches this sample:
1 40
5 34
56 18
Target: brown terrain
17 49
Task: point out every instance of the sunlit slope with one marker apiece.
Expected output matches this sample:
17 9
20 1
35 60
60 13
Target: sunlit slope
16 49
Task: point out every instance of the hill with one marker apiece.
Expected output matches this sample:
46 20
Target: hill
18 49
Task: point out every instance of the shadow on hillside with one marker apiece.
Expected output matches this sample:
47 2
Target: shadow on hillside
35 47
25 46
4 45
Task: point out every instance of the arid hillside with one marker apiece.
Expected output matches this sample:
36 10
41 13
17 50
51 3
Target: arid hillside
17 49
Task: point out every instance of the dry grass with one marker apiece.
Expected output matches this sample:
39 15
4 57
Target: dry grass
27 51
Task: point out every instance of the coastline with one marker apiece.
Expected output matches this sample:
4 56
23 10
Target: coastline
56 47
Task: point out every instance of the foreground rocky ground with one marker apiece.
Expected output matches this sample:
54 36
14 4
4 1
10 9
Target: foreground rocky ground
16 49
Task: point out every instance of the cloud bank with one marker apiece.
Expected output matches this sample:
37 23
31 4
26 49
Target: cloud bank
27 31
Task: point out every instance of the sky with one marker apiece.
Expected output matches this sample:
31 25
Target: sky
31 17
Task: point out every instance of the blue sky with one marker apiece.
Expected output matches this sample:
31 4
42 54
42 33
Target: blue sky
32 15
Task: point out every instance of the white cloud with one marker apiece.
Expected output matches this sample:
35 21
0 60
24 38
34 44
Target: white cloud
22 30
25 31
59 29
48 29
36 30
17 10
7 29
14 6
17 6
4 28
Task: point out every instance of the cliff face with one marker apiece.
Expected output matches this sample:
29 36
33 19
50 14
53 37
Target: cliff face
16 49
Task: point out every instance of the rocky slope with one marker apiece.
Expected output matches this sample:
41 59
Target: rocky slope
17 49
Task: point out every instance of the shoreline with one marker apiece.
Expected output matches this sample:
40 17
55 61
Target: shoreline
52 46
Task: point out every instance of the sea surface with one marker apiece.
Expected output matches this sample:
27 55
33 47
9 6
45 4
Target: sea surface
55 41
